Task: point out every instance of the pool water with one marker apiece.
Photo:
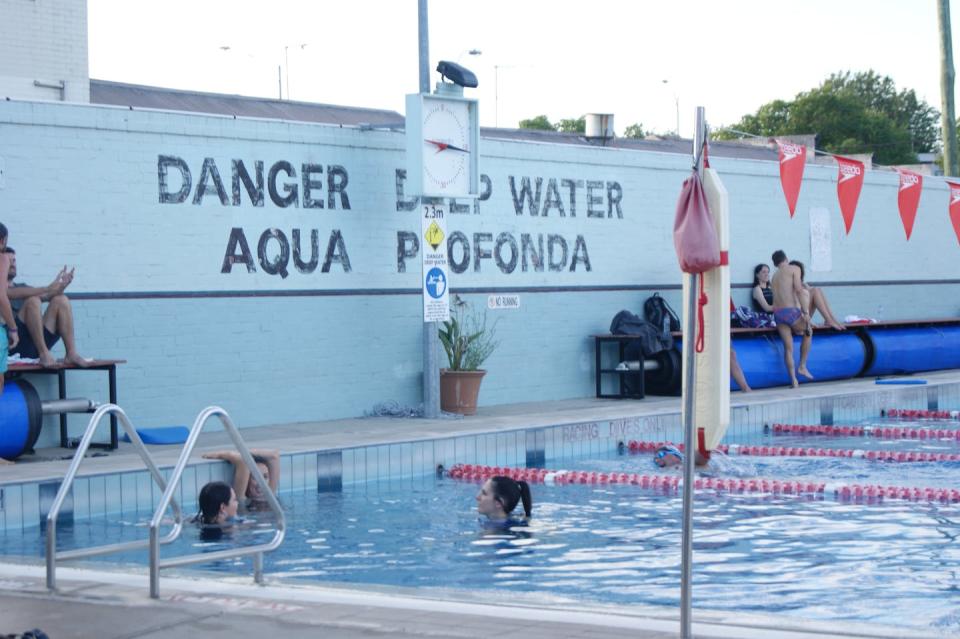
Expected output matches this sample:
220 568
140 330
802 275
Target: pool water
891 562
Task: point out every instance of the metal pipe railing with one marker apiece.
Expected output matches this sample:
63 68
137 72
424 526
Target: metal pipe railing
51 547
256 550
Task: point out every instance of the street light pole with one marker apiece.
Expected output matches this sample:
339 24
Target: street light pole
676 101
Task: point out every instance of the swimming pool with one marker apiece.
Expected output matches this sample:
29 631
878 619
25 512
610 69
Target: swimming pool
812 557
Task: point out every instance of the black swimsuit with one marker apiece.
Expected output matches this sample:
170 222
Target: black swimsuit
767 296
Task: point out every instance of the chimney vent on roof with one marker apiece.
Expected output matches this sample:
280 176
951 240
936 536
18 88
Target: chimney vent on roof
599 126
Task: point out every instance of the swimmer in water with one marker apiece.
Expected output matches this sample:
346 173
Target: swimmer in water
669 455
499 496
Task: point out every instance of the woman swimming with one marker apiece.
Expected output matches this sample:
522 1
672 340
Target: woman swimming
499 495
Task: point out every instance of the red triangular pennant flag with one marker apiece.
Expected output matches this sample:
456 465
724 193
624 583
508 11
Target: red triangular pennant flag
793 157
908 198
849 182
955 207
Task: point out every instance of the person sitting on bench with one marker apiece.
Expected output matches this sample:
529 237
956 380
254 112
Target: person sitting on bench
8 327
268 463
41 330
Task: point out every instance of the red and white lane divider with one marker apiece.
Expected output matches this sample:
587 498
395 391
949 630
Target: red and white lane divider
672 482
915 413
882 432
796 451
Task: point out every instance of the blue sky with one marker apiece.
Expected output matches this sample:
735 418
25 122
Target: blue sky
556 57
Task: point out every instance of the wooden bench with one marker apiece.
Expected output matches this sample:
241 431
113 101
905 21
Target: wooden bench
60 369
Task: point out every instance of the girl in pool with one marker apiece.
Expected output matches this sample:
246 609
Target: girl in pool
499 496
218 504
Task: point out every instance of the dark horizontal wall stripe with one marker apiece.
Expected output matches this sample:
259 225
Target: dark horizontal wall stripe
353 292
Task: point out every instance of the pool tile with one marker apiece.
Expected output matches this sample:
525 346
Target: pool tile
371 457
419 463
348 456
47 493
445 452
533 447
329 471
12 505
30 504
80 494
406 460
382 470
298 472
826 411
310 470
98 495
145 499
395 466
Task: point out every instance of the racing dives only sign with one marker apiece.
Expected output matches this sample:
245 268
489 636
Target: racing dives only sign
433 251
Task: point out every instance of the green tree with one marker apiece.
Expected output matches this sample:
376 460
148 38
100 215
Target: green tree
577 125
903 107
852 113
540 123
635 131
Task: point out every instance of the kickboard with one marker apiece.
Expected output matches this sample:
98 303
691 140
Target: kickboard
906 382
161 435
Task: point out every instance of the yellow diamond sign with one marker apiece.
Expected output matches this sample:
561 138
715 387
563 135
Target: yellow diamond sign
433 236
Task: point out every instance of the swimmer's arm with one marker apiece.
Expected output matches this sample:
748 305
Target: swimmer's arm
241 474
272 457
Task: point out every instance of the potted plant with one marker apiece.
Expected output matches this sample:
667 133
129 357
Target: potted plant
468 342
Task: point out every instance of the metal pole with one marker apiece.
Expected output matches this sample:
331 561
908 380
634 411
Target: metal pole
948 121
286 64
689 422
496 96
431 349
676 99
280 81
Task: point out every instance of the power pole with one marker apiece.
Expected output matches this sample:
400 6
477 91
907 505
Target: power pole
948 119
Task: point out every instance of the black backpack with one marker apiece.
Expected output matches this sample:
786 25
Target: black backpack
658 312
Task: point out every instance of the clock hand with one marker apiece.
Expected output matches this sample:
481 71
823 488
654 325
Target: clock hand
441 146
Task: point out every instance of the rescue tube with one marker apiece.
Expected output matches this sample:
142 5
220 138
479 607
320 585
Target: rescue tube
910 350
711 397
832 356
20 418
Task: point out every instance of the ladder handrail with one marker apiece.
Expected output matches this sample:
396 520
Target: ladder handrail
67 483
256 550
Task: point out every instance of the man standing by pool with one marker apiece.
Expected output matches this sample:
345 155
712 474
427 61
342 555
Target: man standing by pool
790 314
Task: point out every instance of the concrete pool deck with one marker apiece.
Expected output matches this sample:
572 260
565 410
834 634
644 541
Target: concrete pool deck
95 602
360 431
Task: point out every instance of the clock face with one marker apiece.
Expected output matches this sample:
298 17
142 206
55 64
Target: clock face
446 147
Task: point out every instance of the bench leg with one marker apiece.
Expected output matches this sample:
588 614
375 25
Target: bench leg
62 388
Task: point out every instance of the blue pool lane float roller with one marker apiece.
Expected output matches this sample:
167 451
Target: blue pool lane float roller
21 416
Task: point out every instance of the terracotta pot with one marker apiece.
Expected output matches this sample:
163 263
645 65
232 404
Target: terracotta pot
459 390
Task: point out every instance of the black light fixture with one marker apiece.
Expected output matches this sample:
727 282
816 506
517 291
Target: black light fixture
457 74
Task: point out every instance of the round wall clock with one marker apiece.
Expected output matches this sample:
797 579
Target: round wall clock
447 152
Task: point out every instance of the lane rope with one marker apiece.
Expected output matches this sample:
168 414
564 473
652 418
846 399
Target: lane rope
881 432
913 413
672 483
798 451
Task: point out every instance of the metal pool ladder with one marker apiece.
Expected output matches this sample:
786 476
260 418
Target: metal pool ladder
65 486
257 550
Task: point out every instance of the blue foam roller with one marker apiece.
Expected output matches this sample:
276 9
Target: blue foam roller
162 435
905 382
14 421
